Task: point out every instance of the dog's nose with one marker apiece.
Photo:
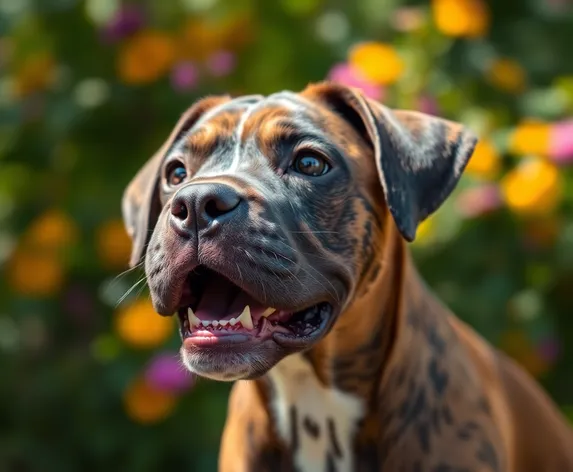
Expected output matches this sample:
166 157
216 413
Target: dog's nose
201 204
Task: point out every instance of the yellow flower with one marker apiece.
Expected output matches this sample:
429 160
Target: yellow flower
36 73
146 57
113 244
35 275
52 230
145 404
461 18
377 62
426 229
530 137
507 75
140 326
534 187
485 162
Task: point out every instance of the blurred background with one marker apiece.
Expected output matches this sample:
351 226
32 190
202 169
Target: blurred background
89 374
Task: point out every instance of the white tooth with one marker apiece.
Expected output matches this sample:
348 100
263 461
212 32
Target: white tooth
215 323
205 323
224 322
233 321
268 312
193 320
246 319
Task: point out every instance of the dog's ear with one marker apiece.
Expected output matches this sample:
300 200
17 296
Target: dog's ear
419 157
140 204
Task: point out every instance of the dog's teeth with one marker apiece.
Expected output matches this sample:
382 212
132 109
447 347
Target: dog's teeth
193 320
233 321
224 322
215 323
205 323
246 319
268 312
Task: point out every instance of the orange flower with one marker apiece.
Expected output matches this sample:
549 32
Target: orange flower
36 73
35 275
140 326
146 57
147 405
113 244
461 18
530 137
485 162
377 62
507 75
52 230
534 187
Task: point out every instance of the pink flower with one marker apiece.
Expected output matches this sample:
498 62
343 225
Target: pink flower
221 63
127 21
184 76
479 200
561 142
345 74
166 373
428 105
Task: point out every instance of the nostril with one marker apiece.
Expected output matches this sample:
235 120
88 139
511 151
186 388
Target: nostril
179 210
216 207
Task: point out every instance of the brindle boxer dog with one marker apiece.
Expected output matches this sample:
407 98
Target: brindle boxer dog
276 228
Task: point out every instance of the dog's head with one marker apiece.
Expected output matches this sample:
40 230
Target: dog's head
259 216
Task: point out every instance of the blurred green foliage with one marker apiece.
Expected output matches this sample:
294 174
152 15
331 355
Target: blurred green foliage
89 90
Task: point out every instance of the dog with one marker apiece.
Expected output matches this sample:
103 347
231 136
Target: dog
276 229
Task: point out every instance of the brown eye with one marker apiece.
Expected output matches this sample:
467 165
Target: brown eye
310 164
176 174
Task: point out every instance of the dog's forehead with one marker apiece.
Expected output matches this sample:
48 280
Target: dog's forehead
244 115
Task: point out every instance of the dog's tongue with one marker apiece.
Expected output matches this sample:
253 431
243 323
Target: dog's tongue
222 300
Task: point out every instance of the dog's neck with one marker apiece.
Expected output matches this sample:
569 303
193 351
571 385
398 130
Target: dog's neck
331 402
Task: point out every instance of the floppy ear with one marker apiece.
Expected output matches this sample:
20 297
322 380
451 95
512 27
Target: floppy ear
140 204
419 157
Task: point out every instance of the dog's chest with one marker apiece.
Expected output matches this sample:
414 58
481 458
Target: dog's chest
316 422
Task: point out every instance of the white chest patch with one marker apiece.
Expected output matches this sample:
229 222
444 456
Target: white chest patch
316 421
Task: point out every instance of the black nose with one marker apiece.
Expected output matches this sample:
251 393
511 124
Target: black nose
201 204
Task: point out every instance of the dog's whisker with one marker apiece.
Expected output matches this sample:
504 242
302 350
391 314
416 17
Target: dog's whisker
131 289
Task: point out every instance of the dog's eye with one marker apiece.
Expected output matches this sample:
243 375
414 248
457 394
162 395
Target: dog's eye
309 163
176 174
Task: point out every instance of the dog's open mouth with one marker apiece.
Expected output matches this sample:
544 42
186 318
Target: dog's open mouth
215 309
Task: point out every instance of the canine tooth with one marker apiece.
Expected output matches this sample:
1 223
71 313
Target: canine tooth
233 321
268 312
246 319
193 320
205 323
224 322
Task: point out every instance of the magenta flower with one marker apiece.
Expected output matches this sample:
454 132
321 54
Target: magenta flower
561 142
549 349
184 76
345 74
479 200
221 63
166 373
428 105
128 20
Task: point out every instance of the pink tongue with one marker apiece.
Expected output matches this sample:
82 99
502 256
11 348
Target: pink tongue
223 300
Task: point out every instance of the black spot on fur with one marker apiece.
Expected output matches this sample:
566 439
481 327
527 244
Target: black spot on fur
294 429
487 455
311 427
439 379
424 437
334 439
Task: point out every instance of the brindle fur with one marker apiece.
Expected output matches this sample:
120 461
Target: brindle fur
437 397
